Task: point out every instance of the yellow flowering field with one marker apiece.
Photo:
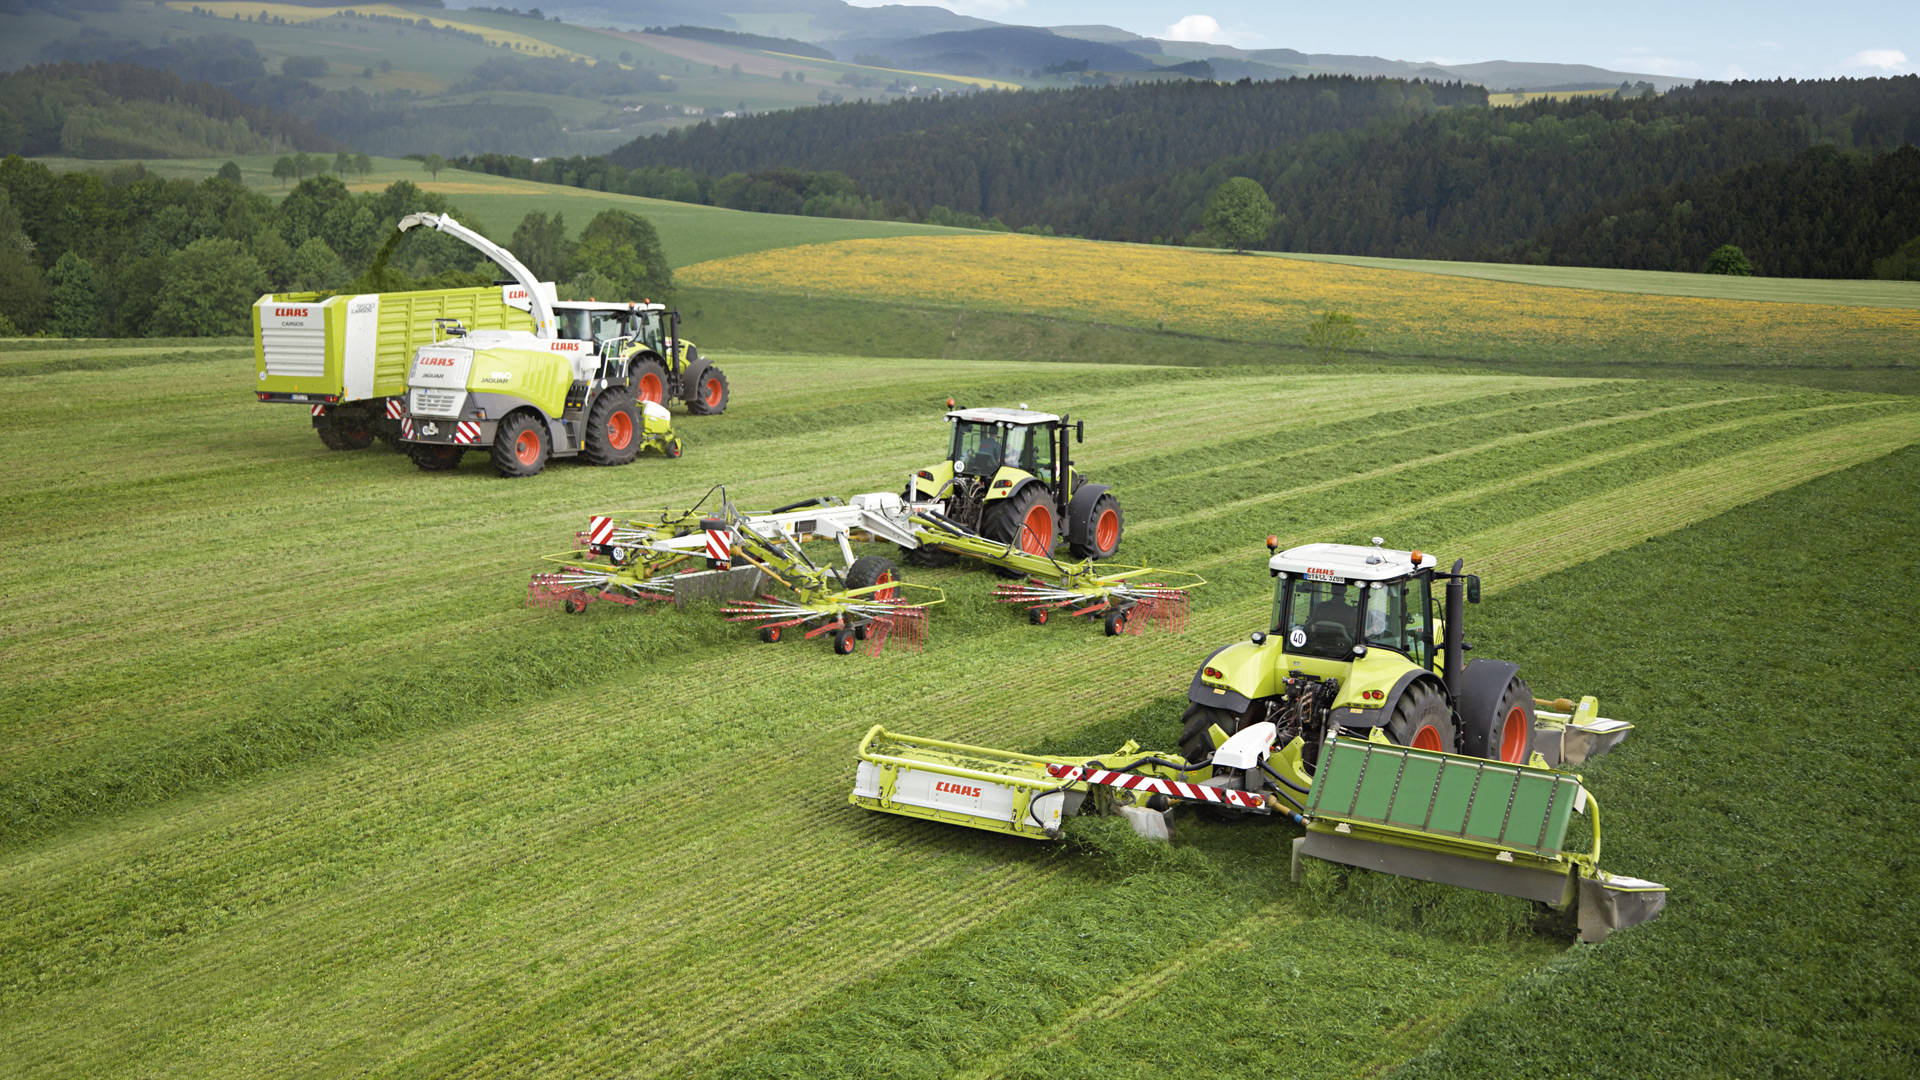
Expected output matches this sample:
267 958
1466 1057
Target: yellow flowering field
1277 300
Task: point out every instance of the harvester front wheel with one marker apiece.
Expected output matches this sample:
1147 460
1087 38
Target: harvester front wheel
520 448
1195 743
1422 720
613 429
1506 732
649 381
870 570
434 457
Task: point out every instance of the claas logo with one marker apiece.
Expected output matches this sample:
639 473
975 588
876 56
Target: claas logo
957 789
296 312
565 346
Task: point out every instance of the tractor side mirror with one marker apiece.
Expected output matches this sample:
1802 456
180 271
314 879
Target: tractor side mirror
1473 588
1079 431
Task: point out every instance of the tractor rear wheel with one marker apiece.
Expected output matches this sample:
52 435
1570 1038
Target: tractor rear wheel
1026 522
870 570
520 448
434 457
707 394
613 429
1506 733
1422 720
1100 533
1195 743
649 381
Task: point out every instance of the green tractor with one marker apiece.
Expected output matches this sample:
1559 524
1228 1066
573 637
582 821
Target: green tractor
1009 477
1354 645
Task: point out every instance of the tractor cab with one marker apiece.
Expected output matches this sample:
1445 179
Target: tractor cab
986 440
1009 476
1334 602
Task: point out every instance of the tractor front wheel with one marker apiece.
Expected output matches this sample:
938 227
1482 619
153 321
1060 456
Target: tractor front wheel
1100 532
1422 720
1195 743
708 393
649 381
1505 733
520 448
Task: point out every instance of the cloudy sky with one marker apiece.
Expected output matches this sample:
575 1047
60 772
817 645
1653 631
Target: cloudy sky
1710 39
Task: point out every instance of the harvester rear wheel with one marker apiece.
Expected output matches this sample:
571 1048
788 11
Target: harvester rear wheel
1195 743
871 570
520 448
649 381
1422 720
613 429
1506 733
433 457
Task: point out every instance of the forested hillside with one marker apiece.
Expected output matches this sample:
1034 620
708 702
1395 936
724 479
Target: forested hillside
1354 166
115 110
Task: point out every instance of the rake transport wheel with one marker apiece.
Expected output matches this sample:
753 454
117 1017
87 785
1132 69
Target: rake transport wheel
649 381
1115 623
434 457
1101 531
1195 744
708 393
843 642
1422 720
870 570
613 429
520 448
1037 616
769 634
674 447
1505 732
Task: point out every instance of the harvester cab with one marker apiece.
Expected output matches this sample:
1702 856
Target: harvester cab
1009 476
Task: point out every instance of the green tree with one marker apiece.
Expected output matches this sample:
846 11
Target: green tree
342 163
230 172
1728 259
543 245
317 269
1902 265
362 164
283 170
1239 213
624 248
75 292
433 163
210 288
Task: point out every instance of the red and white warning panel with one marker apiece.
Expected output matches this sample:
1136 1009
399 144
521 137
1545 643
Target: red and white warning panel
719 543
599 530
1173 789
467 432
396 408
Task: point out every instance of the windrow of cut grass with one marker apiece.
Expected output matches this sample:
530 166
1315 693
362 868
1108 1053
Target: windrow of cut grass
296 784
1278 300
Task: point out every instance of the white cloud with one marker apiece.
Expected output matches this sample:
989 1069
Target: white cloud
1883 59
1195 28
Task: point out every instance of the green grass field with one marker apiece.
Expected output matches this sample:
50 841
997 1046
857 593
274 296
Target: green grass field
294 783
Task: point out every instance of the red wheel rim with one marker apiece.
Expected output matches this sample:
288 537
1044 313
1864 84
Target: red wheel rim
620 429
1036 532
1514 740
713 391
651 388
527 447
888 592
1428 738
1106 534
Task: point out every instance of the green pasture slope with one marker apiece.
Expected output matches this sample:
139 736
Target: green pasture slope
292 782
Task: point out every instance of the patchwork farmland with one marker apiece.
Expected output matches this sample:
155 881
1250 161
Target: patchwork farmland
294 783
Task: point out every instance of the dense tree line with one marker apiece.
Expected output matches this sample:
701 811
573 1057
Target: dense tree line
100 110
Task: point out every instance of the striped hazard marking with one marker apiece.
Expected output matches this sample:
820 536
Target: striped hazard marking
406 427
466 432
720 546
599 530
395 408
1245 800
319 410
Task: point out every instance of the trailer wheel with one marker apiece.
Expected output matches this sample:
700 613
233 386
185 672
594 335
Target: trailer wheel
520 448
1505 733
649 381
613 429
870 570
343 429
708 393
1195 745
843 642
434 457
1422 720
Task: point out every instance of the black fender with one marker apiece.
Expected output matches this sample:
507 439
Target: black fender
1217 697
696 371
1080 510
1349 716
1481 686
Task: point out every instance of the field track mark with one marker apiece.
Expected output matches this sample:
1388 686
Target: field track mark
1237 938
